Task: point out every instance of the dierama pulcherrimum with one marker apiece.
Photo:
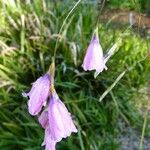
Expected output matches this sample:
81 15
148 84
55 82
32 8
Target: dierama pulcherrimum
38 94
60 120
94 59
55 119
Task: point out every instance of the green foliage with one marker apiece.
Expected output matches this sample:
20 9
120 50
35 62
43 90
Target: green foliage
145 5
138 5
28 33
122 4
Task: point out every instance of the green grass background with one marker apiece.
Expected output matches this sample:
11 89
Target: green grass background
28 33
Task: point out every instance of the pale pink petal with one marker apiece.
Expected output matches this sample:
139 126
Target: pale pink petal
43 119
48 142
94 59
38 94
50 145
60 121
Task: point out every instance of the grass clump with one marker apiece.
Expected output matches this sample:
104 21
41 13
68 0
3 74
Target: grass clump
27 41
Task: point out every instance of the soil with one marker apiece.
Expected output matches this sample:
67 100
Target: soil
130 138
139 21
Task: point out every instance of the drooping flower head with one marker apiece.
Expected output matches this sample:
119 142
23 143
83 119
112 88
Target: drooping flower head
94 59
60 120
55 119
38 94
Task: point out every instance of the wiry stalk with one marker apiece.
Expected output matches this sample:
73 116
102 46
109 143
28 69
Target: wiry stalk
72 9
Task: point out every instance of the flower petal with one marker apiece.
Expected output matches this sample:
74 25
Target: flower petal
48 142
61 124
38 94
43 119
94 59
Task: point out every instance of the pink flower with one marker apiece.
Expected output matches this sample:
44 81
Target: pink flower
38 94
94 59
48 142
56 121
60 121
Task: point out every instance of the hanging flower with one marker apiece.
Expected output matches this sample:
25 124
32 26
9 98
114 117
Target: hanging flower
94 59
56 120
60 120
38 94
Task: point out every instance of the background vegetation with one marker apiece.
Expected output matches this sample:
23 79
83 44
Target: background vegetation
28 33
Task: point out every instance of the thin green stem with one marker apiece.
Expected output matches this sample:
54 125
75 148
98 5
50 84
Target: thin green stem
64 22
143 130
112 86
109 89
118 109
145 119
99 13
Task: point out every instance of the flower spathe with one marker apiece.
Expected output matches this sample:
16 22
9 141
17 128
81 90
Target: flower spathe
38 94
60 120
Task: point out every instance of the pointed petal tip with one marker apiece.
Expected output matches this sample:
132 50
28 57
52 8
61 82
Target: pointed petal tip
24 94
75 131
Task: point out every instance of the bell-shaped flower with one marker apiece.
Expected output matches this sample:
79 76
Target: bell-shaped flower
38 94
60 121
94 59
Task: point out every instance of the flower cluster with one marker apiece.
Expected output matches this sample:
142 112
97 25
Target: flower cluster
43 99
55 119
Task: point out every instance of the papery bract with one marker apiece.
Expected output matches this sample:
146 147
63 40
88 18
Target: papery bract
38 94
60 120
94 59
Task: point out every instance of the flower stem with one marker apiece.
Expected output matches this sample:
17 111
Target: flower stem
145 119
51 71
143 130
64 22
99 13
